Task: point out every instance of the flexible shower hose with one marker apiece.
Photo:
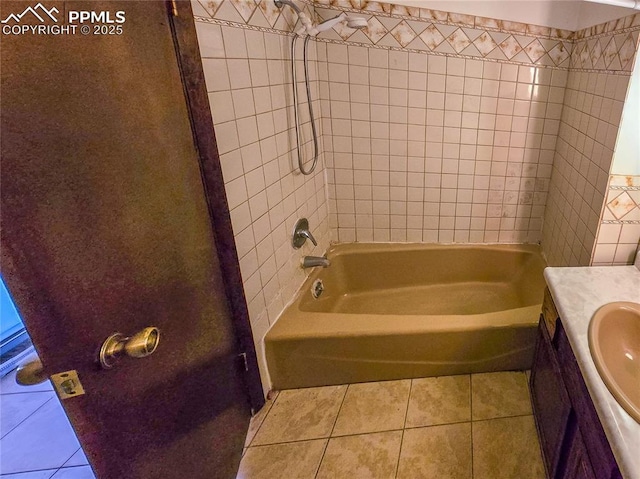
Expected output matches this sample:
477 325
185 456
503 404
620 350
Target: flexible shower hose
295 104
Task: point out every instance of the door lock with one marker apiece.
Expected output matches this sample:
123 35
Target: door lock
140 345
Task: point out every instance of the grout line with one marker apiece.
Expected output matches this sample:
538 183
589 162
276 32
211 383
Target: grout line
324 450
471 445
404 427
26 392
503 417
52 470
335 421
76 451
376 432
331 432
257 446
263 421
471 397
21 422
68 459
63 468
471 419
437 425
406 409
399 455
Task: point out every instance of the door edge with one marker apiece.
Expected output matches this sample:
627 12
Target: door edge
202 127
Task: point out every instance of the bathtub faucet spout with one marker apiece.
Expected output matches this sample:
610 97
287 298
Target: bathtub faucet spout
313 261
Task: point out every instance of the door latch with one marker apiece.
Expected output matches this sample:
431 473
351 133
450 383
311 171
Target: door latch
67 384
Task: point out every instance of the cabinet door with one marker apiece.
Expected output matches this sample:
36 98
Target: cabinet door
593 436
578 465
551 405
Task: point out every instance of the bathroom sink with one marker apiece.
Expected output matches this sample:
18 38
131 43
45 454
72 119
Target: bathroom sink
614 340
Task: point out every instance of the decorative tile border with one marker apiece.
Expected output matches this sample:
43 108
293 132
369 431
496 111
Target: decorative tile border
613 51
624 182
474 39
245 26
256 13
621 222
607 47
622 205
444 18
601 29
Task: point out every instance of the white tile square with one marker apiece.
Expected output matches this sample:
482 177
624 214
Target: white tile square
455 66
337 53
247 130
243 103
210 40
609 233
236 192
437 64
235 43
227 137
216 74
222 108
255 43
378 58
259 72
239 73
358 55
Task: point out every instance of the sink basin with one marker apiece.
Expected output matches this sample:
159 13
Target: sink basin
614 340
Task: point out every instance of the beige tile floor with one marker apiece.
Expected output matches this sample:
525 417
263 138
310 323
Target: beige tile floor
477 426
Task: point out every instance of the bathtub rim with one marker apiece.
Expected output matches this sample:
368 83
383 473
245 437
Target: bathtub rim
339 249
301 324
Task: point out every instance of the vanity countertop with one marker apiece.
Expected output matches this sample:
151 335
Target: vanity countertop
578 292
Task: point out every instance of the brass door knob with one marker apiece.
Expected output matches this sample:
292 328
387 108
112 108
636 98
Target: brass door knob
140 345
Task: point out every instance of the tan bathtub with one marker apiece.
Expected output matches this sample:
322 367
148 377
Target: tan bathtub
392 311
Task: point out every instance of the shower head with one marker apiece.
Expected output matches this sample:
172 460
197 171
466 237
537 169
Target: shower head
307 26
351 21
357 22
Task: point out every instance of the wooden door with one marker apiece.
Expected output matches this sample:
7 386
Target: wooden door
106 228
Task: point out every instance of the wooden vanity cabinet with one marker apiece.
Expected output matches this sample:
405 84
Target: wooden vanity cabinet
574 445
550 401
578 464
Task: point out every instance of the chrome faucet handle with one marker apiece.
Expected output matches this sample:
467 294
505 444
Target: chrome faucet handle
301 233
307 234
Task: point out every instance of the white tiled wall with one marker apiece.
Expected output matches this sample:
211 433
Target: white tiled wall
588 130
248 79
619 232
430 148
